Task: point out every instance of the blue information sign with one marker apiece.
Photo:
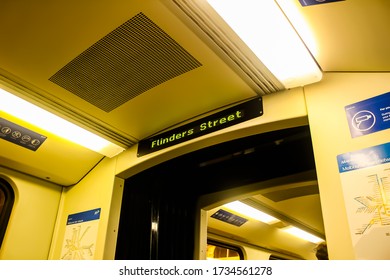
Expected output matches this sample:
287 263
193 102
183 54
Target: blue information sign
369 116
364 158
82 217
316 2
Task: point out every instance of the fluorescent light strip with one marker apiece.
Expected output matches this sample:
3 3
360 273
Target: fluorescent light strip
302 234
268 33
301 25
251 212
35 115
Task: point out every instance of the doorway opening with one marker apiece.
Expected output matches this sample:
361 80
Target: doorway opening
160 207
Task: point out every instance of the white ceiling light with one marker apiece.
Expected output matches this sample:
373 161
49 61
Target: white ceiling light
251 212
35 115
301 25
302 234
268 33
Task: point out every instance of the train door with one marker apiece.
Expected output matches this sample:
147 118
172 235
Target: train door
160 207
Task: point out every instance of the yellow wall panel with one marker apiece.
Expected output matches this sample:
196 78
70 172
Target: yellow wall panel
31 225
331 137
94 191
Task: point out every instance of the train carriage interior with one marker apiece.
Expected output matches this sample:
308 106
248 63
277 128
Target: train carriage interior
120 76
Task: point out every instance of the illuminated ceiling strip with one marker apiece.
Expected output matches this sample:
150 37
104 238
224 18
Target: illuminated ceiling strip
39 117
264 28
302 234
248 211
251 212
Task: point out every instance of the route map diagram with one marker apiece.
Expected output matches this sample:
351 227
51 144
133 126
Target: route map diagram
376 205
75 247
80 235
365 180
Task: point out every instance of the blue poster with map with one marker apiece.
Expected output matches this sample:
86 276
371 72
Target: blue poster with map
80 235
365 179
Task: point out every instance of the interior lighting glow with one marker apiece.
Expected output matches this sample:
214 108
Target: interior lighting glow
291 9
35 115
154 226
264 28
251 212
302 234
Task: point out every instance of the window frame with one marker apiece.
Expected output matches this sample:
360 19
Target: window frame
8 194
227 246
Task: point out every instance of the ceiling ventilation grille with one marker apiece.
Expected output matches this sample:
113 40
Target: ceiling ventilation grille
133 58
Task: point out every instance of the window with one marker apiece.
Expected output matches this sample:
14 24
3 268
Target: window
6 202
220 251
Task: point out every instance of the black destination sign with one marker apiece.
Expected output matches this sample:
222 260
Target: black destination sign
226 118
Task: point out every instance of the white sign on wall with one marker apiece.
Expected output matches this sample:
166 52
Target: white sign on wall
80 235
365 178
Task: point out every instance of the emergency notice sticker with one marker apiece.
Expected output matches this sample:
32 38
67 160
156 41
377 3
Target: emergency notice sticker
19 135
